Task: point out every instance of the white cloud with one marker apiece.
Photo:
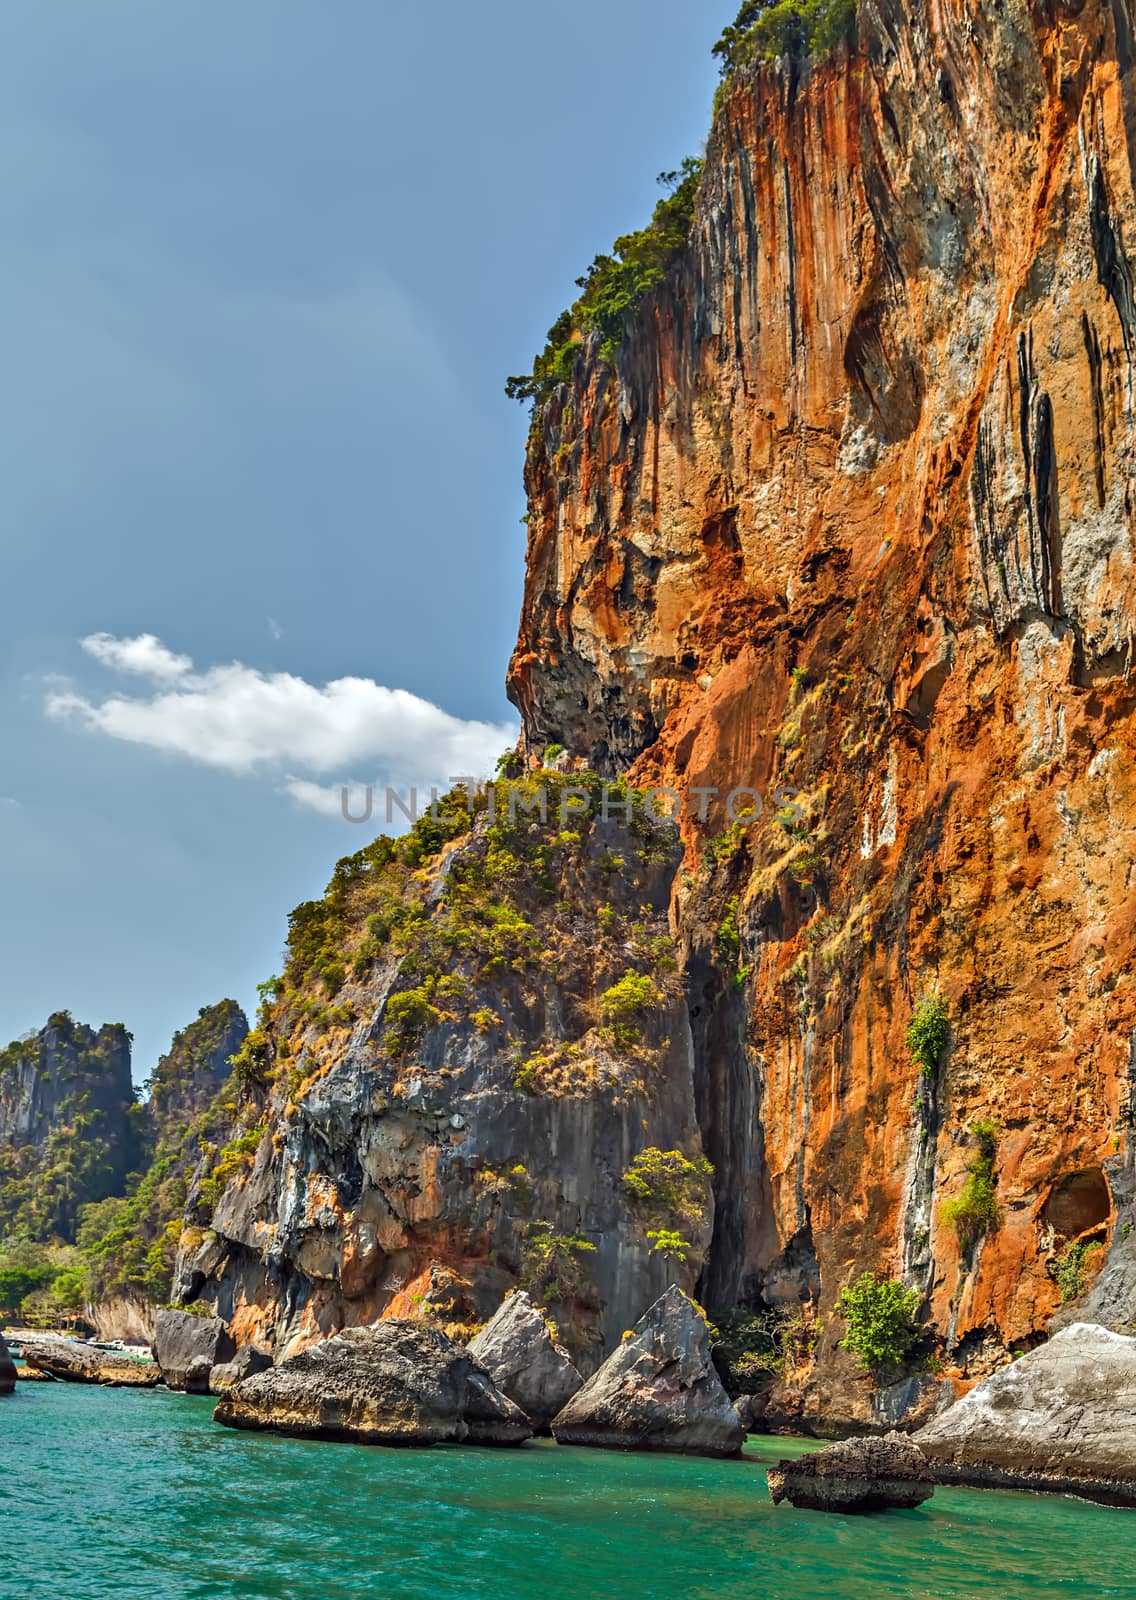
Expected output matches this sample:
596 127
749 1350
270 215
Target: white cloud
243 720
146 655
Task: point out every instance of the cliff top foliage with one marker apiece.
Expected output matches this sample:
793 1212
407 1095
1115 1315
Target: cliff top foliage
765 30
615 286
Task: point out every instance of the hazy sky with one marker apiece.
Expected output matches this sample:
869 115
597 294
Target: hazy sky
267 265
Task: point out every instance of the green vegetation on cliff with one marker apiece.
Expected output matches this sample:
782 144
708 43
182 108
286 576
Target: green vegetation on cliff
975 1211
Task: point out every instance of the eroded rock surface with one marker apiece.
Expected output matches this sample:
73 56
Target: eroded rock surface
396 1383
245 1364
658 1390
854 1476
75 1362
520 1355
1062 1418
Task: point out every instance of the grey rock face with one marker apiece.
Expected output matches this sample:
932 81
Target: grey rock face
657 1390
75 1362
517 1350
396 1382
183 1342
1062 1418
245 1364
7 1369
856 1475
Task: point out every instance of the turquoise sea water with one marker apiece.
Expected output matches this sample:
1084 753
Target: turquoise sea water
140 1496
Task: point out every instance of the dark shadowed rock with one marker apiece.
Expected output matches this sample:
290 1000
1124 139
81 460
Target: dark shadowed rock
245 1364
856 1475
520 1355
396 1382
75 1362
183 1342
658 1390
7 1369
1062 1418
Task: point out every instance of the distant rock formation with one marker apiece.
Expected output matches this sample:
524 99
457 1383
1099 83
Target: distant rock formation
520 1355
192 1070
70 1126
854 1476
1062 1418
658 1390
397 1382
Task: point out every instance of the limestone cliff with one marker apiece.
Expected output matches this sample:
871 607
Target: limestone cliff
845 519
850 512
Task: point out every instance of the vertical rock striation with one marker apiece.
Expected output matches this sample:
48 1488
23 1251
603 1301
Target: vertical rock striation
852 516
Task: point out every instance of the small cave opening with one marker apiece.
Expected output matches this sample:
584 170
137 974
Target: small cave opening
1078 1202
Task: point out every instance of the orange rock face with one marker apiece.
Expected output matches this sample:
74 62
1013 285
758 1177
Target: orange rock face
853 517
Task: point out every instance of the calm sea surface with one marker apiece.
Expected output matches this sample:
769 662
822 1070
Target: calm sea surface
140 1496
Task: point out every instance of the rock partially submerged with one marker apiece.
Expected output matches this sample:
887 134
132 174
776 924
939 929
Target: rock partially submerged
245 1364
857 1475
188 1347
1062 1418
519 1354
658 1390
75 1362
7 1369
396 1382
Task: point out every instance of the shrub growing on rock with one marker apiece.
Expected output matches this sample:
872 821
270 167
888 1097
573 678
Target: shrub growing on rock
927 1033
882 1317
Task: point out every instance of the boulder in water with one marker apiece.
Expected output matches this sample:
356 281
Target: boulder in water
658 1390
856 1475
1062 1418
75 1362
517 1350
396 1382
183 1341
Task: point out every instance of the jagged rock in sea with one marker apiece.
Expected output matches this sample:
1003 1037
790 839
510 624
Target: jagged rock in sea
245 1364
75 1362
1062 1418
188 1347
395 1383
658 1390
854 1476
519 1353
7 1369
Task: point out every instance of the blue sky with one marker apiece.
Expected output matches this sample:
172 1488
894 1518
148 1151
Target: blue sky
266 268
